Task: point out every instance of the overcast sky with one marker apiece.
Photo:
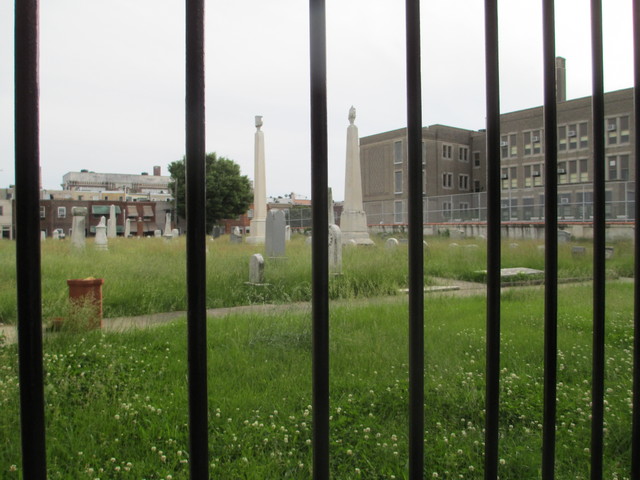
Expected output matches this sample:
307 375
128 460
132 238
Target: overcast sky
112 77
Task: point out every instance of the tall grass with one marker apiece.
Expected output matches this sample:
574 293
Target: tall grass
116 404
144 276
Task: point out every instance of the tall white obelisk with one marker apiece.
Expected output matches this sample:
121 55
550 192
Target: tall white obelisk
353 221
258 222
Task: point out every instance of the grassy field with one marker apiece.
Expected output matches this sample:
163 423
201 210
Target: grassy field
148 275
116 405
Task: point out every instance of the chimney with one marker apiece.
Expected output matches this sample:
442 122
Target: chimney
157 171
561 80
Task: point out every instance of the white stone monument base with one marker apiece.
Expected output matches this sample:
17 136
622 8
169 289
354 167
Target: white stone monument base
258 230
354 227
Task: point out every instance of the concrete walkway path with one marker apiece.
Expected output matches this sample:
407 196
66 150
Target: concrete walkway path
443 286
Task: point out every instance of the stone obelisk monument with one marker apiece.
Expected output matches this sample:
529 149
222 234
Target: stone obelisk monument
259 189
353 221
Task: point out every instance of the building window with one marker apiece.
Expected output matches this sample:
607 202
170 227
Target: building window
618 167
447 151
476 186
62 212
397 152
513 176
397 212
476 159
562 172
1 211
463 154
42 212
536 172
528 178
583 170
509 146
463 182
447 180
532 142
572 134
584 135
447 207
562 138
504 178
618 130
398 181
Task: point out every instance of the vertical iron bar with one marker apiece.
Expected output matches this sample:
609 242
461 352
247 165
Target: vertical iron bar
597 106
416 253
551 242
27 161
320 253
635 436
492 399
195 173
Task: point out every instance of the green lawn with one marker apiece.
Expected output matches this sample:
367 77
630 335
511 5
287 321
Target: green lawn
116 405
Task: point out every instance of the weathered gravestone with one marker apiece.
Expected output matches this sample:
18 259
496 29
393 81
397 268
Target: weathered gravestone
563 237
391 243
256 269
175 233
335 250
56 235
236 236
78 226
217 231
287 233
157 233
127 228
608 252
274 241
101 242
578 251
111 223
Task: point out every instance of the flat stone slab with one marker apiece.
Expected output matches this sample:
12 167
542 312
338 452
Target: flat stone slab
436 288
516 271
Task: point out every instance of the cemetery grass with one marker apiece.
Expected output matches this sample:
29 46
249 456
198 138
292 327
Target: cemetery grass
116 404
148 275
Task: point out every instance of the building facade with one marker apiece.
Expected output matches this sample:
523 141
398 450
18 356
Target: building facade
454 167
144 183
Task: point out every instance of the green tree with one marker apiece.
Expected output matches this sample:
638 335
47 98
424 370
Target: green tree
228 193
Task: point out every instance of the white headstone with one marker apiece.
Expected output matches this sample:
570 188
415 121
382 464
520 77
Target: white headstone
391 243
43 235
287 233
78 226
157 233
353 220
111 225
335 250
175 233
56 235
167 226
274 241
258 223
127 228
101 241
256 269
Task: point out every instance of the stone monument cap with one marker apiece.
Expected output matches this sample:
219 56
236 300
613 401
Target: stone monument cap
352 115
258 121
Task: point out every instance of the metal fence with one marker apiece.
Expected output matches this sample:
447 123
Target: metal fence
28 248
574 204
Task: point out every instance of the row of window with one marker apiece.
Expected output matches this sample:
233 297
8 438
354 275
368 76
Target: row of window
572 136
571 171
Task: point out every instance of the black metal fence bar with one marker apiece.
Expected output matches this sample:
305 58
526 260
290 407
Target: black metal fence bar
551 243
27 162
416 251
597 105
635 435
196 238
493 241
320 253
